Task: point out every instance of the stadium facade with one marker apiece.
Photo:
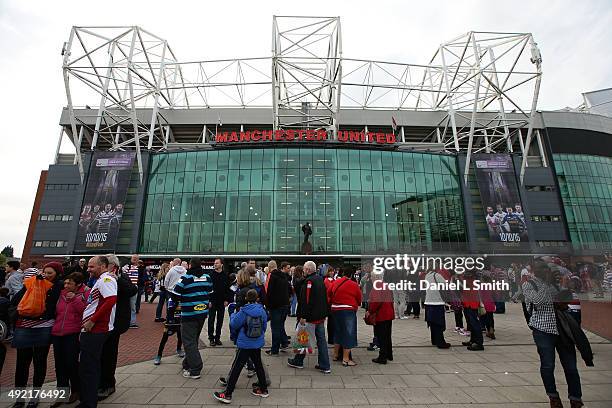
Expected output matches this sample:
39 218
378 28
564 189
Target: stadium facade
222 158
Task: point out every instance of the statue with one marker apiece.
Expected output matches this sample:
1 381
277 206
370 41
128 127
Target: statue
306 246
307 230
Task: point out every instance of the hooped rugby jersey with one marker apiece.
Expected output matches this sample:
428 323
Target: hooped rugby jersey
101 304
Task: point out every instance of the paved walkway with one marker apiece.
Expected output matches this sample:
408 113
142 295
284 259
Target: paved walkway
506 374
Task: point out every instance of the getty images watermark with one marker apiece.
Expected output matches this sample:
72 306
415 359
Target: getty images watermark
411 265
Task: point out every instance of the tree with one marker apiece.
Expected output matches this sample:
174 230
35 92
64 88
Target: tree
7 251
2 260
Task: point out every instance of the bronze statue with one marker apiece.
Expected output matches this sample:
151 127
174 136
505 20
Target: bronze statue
307 230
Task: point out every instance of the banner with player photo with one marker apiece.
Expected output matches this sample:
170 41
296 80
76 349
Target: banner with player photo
503 210
102 209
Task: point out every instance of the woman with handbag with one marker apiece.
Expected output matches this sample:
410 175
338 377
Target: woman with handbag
434 309
380 314
36 303
65 334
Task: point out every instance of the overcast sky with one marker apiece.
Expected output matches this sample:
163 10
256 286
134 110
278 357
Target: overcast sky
574 37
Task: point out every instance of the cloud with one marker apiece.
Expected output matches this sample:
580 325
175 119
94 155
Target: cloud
573 36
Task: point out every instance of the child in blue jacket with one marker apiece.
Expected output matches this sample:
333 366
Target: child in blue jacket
248 328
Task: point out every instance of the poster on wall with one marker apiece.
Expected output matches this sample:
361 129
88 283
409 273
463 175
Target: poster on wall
503 210
104 200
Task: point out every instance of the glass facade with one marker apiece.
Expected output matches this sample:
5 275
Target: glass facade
585 184
251 201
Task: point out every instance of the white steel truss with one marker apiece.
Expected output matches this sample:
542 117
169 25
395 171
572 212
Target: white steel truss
486 84
306 71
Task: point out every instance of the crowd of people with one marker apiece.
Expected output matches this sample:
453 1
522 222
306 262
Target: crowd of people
88 306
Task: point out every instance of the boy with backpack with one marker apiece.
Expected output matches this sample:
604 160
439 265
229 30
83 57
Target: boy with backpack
247 327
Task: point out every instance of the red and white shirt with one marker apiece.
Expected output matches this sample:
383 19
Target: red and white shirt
101 304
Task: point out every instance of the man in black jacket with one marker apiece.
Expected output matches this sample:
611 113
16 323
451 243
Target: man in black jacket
277 302
312 308
219 299
125 290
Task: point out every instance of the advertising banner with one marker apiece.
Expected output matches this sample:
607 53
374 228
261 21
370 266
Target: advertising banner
503 210
104 199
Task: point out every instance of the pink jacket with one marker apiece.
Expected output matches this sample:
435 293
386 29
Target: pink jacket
69 312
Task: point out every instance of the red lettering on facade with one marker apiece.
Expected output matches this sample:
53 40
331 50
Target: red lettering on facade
355 136
314 135
221 137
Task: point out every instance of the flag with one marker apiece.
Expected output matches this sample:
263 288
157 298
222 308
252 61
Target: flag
393 123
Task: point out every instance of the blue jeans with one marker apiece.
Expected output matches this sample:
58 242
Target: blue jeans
323 357
133 309
277 324
293 304
546 344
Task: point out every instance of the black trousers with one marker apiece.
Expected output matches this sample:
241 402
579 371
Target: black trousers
25 357
242 356
414 308
437 334
459 318
382 331
473 323
164 340
66 354
217 312
488 320
2 356
110 351
330 328
90 367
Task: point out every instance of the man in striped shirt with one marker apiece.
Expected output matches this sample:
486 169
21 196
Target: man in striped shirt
194 290
98 319
132 271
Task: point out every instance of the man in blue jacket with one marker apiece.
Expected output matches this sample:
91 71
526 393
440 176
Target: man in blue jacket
248 328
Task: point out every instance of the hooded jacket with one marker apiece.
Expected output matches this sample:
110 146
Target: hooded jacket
69 312
173 276
238 323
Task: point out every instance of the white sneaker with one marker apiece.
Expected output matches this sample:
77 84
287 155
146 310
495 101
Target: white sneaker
187 374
